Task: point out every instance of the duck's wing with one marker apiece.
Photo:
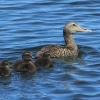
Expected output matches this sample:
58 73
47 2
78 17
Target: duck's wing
16 64
26 67
57 51
54 50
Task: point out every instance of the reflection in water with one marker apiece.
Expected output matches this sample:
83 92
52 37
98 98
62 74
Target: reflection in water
69 87
26 76
5 80
71 60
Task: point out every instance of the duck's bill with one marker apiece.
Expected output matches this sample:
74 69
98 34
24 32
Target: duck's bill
86 30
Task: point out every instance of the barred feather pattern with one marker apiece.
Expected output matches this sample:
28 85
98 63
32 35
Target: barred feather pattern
58 51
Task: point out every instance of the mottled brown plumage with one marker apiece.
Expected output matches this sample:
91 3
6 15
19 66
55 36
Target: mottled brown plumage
4 68
70 49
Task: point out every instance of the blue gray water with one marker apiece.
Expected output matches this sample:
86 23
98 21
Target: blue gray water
28 25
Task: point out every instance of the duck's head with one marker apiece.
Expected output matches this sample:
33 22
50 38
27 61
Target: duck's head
46 54
73 27
5 63
27 59
26 54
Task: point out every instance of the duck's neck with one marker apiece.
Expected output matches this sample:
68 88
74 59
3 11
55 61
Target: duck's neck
69 40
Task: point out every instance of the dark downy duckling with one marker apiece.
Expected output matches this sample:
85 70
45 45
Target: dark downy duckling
27 65
4 68
17 63
44 60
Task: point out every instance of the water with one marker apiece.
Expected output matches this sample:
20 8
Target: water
28 25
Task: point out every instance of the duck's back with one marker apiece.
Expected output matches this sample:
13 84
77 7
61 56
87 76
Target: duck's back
16 64
44 62
58 51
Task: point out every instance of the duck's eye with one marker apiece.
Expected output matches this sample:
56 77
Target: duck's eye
74 24
6 63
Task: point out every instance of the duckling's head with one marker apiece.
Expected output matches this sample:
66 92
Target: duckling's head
46 54
5 63
26 54
27 59
73 27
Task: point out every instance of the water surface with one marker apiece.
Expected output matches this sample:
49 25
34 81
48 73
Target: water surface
30 25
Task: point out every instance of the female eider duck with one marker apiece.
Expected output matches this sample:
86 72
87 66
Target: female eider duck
26 65
17 63
4 68
43 61
70 49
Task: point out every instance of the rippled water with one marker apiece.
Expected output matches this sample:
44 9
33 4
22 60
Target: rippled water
28 25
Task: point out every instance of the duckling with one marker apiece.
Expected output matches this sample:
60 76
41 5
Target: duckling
27 65
44 60
70 49
17 63
4 68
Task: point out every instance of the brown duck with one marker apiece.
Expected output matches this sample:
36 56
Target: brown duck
17 63
4 68
26 65
43 61
70 49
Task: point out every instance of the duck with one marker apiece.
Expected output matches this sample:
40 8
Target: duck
26 65
17 63
4 68
71 48
44 60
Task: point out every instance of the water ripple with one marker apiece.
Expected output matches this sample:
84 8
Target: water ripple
30 25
